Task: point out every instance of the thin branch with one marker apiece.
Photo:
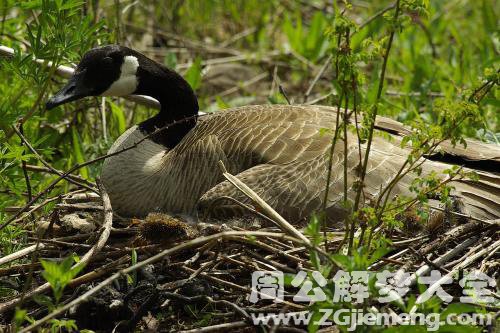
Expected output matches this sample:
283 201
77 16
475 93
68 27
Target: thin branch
375 16
79 166
284 225
317 77
375 110
180 247
283 92
23 165
106 230
47 165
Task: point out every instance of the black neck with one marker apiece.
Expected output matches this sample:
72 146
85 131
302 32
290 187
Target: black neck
179 105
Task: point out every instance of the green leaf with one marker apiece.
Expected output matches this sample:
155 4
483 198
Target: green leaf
118 117
58 275
79 155
459 308
193 74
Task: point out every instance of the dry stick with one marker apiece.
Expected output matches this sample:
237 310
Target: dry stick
17 269
432 288
108 220
20 253
33 209
440 261
246 84
238 36
75 178
106 226
234 285
330 154
468 217
319 99
30 249
150 260
242 205
317 77
284 225
267 247
99 272
79 207
79 166
283 93
23 165
44 162
226 327
374 17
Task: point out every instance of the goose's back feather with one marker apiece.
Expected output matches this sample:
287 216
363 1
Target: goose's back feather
280 151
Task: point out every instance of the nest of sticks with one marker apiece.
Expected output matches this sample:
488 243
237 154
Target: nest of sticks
165 274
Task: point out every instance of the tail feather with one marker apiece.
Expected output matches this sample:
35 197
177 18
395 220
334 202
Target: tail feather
481 198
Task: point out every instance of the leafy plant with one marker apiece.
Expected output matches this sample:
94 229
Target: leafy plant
311 42
58 275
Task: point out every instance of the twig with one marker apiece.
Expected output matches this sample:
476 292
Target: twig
432 288
427 261
79 207
282 92
106 226
452 235
375 16
32 209
238 36
42 160
364 166
319 99
150 260
23 165
103 120
241 204
284 225
440 261
248 83
75 178
108 220
317 77
79 166
20 254
226 327
468 217
233 285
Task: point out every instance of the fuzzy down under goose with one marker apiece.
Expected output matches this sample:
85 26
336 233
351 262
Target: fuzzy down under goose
279 151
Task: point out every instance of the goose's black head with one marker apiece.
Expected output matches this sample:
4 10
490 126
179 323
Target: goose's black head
115 70
104 71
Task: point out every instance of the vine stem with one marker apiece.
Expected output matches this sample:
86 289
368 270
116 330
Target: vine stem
330 153
375 109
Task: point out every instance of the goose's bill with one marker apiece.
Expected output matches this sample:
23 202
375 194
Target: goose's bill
73 90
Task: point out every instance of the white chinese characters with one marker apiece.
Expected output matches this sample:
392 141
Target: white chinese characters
353 287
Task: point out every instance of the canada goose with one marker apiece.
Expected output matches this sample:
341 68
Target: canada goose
280 151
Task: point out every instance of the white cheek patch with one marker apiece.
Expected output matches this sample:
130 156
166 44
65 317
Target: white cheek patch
127 82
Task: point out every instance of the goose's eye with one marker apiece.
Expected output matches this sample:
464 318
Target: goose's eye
107 62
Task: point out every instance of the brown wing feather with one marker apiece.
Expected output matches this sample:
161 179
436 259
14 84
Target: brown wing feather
282 153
